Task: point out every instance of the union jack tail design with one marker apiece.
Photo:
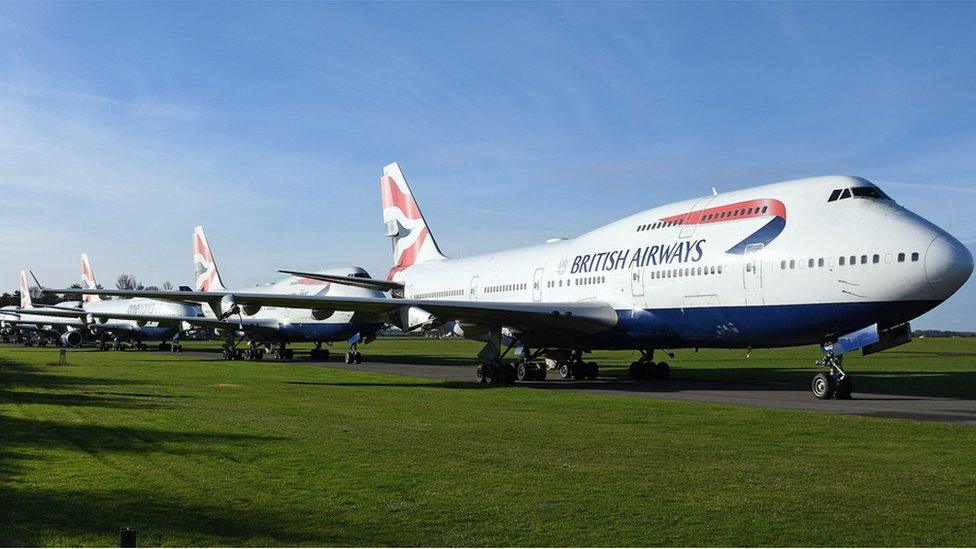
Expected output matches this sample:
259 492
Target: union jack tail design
404 223
25 298
208 277
88 280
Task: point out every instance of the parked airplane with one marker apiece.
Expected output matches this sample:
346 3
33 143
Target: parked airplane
273 326
830 260
33 327
126 320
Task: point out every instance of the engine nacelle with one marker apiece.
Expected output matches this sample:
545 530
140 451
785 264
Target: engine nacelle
412 318
470 331
228 306
71 339
251 310
322 314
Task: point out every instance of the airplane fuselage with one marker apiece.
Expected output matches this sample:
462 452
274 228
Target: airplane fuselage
784 264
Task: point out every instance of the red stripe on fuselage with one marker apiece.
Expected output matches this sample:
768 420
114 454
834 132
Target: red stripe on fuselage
747 209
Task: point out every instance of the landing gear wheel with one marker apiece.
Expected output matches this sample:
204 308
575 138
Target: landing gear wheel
523 372
592 370
823 386
226 353
637 371
508 374
349 358
358 359
662 371
540 373
479 374
565 371
844 388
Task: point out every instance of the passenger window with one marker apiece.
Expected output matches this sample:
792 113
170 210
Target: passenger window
719 269
820 262
841 260
834 195
876 258
887 259
914 256
792 264
764 209
864 259
853 260
901 258
810 263
782 265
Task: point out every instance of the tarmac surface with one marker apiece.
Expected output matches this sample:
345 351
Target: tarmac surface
914 407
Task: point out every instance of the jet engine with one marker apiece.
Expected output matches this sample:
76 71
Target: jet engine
228 306
71 339
322 314
412 318
251 310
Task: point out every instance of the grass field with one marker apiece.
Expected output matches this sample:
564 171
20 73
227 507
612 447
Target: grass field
198 451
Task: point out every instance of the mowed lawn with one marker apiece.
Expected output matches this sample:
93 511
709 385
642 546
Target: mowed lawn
198 451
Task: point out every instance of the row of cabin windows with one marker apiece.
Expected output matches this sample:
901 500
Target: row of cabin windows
506 288
857 192
581 281
659 225
848 260
678 273
730 213
436 295
735 213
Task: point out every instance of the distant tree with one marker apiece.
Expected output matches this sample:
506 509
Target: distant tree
167 285
7 299
127 282
149 288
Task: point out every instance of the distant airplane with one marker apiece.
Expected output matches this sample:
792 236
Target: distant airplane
830 260
125 321
37 326
272 326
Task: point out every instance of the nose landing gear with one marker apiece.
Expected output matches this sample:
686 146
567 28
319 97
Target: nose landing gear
835 383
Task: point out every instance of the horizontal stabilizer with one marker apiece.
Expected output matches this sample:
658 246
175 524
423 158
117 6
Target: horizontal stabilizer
371 283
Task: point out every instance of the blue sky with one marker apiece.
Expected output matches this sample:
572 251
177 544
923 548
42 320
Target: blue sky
124 125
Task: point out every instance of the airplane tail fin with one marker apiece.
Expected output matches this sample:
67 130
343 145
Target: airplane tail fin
88 280
404 223
25 297
208 277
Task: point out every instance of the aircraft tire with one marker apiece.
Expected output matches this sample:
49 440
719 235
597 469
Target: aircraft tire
592 370
358 359
541 373
479 374
565 370
523 373
823 386
844 388
349 358
662 371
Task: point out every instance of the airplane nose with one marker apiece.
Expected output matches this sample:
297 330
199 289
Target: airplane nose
948 265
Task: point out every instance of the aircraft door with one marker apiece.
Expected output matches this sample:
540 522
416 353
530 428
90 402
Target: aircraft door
694 215
537 285
473 294
752 268
637 281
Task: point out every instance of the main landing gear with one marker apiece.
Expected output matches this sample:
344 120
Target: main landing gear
318 353
353 356
835 383
645 368
572 367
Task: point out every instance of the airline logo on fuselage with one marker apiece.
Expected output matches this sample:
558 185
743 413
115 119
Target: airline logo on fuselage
656 254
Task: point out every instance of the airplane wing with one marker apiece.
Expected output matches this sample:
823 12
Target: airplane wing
258 327
371 283
572 317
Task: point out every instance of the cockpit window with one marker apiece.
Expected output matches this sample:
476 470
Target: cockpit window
845 194
869 192
834 195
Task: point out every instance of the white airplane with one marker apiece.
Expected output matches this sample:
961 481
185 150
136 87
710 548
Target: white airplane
271 325
127 320
28 319
829 260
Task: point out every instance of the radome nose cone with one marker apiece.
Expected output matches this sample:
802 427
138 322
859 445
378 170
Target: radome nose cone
948 265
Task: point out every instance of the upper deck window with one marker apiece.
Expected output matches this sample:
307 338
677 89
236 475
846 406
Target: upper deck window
869 192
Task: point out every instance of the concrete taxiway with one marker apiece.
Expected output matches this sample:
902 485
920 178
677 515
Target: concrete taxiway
921 408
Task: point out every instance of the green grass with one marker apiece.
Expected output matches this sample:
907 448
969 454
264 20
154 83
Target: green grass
197 451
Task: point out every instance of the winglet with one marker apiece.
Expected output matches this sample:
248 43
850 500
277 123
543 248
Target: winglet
208 277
